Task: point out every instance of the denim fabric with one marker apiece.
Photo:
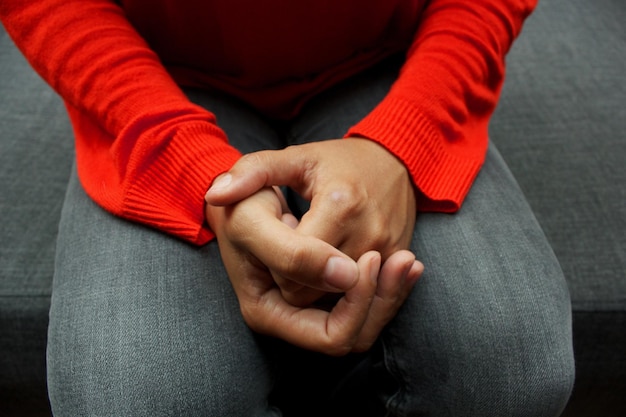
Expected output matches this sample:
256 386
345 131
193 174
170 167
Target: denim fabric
487 330
145 325
142 324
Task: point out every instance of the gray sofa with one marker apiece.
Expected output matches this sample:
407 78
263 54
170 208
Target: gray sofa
561 125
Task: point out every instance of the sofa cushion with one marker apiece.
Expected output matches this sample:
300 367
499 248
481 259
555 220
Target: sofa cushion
561 126
36 153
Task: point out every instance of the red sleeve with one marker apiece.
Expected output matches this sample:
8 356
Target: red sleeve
436 115
136 132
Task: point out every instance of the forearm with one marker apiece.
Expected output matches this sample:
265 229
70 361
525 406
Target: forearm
144 150
93 57
436 115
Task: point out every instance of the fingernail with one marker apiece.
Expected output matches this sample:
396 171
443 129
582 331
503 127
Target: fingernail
341 273
222 181
415 272
375 268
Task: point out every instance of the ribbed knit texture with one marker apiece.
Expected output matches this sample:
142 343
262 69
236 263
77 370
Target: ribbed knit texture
442 178
146 153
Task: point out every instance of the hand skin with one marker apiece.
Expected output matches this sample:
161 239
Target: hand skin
256 237
362 202
361 197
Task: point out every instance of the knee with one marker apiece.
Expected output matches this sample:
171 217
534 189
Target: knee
500 363
537 381
521 364
490 378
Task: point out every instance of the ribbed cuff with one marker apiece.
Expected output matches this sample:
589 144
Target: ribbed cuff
169 194
441 175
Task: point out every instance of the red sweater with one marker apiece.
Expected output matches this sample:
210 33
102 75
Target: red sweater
146 153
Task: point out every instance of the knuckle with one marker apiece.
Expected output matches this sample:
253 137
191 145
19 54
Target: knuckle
251 317
237 232
389 303
255 162
348 199
307 173
296 259
378 229
302 297
338 349
251 159
340 343
258 315
363 345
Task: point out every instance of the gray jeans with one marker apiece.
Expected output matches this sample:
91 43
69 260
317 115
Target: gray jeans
142 324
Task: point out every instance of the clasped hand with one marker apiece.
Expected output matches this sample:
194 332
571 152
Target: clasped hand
362 207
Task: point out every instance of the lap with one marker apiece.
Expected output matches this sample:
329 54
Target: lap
489 323
145 324
488 327
135 311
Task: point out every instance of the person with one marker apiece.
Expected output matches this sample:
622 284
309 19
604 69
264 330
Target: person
293 208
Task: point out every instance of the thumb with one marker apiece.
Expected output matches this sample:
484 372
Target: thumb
254 171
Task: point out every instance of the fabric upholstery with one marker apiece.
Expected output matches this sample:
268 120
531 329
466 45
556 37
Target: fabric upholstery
561 126
35 160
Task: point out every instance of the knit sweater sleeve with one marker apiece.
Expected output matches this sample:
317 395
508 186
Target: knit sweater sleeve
435 117
136 133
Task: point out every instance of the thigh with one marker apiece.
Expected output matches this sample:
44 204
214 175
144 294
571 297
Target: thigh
143 324
246 130
332 113
487 330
